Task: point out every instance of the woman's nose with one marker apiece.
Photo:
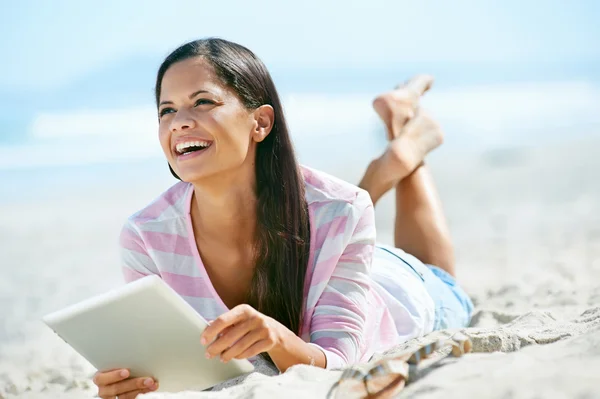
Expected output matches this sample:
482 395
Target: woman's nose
182 121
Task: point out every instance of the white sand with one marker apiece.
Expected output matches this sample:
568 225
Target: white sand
527 229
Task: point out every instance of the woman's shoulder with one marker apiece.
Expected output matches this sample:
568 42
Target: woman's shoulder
323 188
173 203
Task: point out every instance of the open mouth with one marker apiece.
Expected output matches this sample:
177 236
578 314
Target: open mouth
189 147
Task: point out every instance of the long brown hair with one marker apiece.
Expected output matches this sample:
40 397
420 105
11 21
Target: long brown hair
283 228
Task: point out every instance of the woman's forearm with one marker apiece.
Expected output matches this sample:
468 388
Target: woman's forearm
292 350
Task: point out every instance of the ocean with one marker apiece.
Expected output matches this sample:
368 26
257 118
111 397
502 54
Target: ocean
54 150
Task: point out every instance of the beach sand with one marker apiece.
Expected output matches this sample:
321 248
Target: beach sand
526 224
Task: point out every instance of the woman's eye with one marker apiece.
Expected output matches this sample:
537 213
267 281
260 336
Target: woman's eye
165 111
203 101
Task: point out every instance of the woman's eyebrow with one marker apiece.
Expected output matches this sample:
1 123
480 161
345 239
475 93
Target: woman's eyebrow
194 94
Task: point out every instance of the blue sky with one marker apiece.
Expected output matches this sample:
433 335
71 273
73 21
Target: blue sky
83 71
51 43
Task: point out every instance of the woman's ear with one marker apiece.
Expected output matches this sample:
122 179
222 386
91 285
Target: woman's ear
264 117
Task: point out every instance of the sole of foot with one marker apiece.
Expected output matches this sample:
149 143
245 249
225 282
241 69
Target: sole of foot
398 106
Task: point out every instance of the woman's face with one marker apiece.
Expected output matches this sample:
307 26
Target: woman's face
204 129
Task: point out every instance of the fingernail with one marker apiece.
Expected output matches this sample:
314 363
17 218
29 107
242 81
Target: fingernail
154 387
124 373
203 341
148 382
207 355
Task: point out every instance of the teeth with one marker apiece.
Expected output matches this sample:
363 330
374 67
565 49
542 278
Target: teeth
198 143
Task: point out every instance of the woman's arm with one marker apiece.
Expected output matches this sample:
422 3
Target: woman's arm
339 310
244 332
293 350
135 261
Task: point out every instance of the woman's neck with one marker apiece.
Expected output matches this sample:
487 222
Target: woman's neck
225 213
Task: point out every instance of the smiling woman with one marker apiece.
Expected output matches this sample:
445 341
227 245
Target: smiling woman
201 111
281 259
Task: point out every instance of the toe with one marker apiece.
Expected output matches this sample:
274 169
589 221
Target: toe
419 84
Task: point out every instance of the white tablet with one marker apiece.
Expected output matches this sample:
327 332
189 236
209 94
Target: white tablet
146 327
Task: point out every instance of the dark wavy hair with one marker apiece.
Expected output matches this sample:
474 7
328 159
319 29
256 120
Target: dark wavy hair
283 229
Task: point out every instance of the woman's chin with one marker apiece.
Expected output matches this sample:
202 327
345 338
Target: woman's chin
192 176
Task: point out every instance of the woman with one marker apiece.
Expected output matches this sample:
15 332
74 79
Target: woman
281 259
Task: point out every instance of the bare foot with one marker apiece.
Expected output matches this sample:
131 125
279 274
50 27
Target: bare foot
412 132
417 138
397 107
403 155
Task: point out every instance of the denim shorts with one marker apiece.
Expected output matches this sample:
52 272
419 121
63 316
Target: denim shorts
453 307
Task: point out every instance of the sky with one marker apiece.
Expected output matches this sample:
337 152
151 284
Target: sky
82 71
72 38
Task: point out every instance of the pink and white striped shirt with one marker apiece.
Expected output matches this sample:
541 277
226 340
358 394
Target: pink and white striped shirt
347 313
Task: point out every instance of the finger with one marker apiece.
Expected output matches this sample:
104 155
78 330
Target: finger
225 331
110 376
255 349
243 345
227 319
419 84
122 387
227 339
219 335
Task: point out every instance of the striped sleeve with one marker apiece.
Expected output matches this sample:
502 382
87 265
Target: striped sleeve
339 319
135 260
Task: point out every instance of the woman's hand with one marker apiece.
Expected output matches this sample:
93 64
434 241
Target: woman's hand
113 384
241 333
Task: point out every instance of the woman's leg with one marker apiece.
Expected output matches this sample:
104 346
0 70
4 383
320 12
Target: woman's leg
420 225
